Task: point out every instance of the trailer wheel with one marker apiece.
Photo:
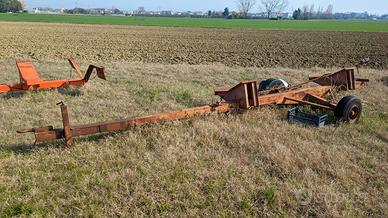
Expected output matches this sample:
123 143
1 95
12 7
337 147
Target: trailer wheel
349 109
265 83
278 83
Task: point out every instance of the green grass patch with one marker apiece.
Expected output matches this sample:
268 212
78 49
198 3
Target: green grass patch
18 209
184 98
316 25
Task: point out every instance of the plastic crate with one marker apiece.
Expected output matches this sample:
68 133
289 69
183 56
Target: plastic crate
295 115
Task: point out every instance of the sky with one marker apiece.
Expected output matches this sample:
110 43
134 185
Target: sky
372 6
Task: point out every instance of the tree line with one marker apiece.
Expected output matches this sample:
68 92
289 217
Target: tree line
92 11
309 12
273 8
10 6
270 7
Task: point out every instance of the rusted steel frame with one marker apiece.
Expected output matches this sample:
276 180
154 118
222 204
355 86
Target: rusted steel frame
361 82
299 86
244 95
307 102
343 80
75 67
46 134
99 70
294 87
66 124
300 94
320 100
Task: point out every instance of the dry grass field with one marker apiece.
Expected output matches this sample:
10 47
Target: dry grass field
253 164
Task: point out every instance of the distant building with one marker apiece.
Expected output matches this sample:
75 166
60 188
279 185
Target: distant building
286 15
97 11
258 15
47 10
264 15
352 15
166 13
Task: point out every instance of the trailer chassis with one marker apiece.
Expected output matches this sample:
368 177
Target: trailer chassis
242 97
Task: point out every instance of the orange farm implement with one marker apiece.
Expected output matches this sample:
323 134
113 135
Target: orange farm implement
241 97
30 80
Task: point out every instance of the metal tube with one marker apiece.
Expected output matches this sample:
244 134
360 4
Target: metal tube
50 134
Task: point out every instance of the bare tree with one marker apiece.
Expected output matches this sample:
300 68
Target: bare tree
319 12
244 6
329 11
274 6
311 11
24 5
305 12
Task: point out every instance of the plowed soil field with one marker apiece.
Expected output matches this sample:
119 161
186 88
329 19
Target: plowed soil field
258 48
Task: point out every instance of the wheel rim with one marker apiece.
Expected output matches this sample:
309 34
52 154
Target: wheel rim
354 113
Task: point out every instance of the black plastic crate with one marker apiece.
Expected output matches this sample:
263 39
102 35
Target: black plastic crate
295 115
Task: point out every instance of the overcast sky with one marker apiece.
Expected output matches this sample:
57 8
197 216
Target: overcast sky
372 6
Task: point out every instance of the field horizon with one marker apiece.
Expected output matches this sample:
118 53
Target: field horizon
310 25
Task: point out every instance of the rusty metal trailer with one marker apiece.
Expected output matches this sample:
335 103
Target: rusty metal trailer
242 97
30 80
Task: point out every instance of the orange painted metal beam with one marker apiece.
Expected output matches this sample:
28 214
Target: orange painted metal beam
300 94
30 80
68 131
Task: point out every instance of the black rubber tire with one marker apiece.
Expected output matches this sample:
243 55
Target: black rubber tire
261 85
349 109
277 83
265 83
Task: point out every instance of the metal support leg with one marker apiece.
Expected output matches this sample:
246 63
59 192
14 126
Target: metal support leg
66 125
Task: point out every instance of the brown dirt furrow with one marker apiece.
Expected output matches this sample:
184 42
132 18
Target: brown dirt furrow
247 48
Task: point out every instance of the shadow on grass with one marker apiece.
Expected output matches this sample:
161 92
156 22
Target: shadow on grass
64 91
59 144
383 136
70 91
14 94
25 149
